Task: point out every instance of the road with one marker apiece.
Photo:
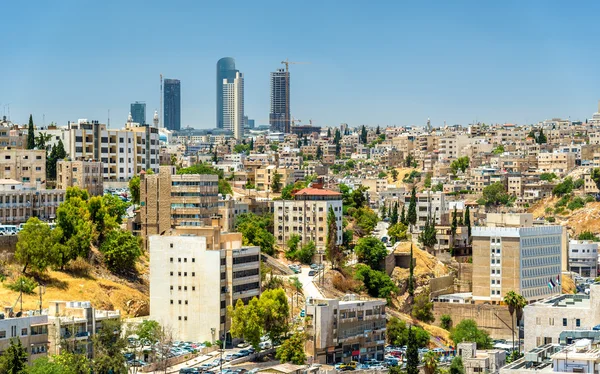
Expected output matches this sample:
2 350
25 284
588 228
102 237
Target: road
309 289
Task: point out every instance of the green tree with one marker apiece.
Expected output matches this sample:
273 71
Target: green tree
319 154
494 195
30 134
293 243
34 246
446 321
297 285
430 362
276 182
363 135
457 367
398 232
564 188
246 321
292 349
412 208
412 353
371 251
411 278
588 235
333 252
121 250
548 177
422 309
256 231
115 207
394 173
595 176
468 221
498 150
306 253
461 163
394 215
108 344
366 220
274 312
428 237
134 189
395 329
541 139
403 219
64 363
377 283
515 303
74 228
14 358
467 331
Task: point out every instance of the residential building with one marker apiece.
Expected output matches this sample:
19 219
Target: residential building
527 260
225 72
172 104
264 177
306 215
583 258
429 204
480 361
559 163
351 329
23 165
233 105
86 175
279 117
195 273
19 202
138 112
74 323
31 329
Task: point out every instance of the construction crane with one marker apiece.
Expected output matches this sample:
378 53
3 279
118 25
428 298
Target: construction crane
287 63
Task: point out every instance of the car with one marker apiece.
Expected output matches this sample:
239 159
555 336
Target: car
189 371
312 273
244 353
377 367
348 366
302 313
230 357
206 366
265 345
217 361
314 266
243 345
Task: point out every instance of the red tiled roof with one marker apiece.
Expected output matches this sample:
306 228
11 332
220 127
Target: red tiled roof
317 192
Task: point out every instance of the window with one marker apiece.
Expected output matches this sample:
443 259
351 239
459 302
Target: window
171 302
171 259
24 332
578 322
171 273
564 321
171 245
193 288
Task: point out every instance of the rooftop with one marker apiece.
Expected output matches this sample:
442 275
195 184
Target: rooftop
308 191
564 301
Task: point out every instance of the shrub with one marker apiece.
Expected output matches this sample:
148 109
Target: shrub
563 201
576 203
207 344
446 321
23 283
551 219
590 199
588 235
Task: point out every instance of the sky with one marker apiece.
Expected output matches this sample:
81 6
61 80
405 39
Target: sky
371 62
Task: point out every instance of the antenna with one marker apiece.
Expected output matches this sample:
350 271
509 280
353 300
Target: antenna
108 123
160 119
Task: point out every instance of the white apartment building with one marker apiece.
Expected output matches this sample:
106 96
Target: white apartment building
193 278
233 105
123 153
19 202
453 147
429 204
583 258
306 216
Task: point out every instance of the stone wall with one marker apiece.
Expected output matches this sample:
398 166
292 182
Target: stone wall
488 317
464 276
441 285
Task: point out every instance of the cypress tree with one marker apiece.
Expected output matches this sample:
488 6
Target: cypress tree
30 134
412 208
403 216
411 281
454 222
412 353
394 215
468 222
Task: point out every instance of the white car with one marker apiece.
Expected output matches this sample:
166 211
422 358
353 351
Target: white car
265 345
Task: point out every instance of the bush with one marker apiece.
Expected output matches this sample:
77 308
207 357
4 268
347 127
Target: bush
446 321
564 187
551 219
377 283
576 203
563 201
207 344
559 210
422 309
23 283
590 199
588 235
121 250
344 283
467 331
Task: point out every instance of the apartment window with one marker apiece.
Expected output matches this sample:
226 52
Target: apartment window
171 259
193 273
7 157
185 317
179 318
24 332
171 288
179 273
178 288
186 302
193 259
564 321
193 288
179 301
171 245
171 302
578 322
38 157
185 274
171 273
185 288
185 259
179 259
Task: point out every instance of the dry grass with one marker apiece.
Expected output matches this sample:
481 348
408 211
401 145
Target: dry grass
568 284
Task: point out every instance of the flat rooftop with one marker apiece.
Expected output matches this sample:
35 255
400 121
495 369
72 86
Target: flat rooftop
565 301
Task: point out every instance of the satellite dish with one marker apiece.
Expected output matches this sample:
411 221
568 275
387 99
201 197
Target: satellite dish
19 314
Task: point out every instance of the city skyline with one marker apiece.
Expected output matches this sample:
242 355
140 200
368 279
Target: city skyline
390 64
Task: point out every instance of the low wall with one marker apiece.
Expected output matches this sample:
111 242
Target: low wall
8 246
441 285
402 260
276 264
464 278
178 360
488 317
390 263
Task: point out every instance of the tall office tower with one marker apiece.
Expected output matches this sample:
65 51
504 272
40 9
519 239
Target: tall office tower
279 118
172 102
233 105
138 112
225 70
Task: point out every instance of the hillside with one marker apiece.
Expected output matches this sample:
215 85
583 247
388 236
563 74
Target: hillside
577 221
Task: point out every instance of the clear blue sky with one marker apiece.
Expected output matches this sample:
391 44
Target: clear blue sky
376 62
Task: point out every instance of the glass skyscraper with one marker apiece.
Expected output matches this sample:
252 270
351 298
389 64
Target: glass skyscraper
279 117
172 104
225 71
138 112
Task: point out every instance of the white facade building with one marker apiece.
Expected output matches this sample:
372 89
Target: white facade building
233 105
583 258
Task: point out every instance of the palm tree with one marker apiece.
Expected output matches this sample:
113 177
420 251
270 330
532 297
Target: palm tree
430 360
515 303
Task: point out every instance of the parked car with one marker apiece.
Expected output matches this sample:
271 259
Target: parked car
312 273
348 366
244 353
230 357
265 345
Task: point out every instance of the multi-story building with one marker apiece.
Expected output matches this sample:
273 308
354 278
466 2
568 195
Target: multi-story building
345 330
138 112
554 162
86 175
123 153
195 273
480 361
19 202
264 177
583 258
23 165
306 216
521 259
225 71
582 356
279 117
429 204
74 324
31 329
233 105
172 104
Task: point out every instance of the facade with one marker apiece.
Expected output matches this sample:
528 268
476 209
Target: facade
264 177
23 165
559 163
345 330
306 216
527 260
279 117
233 105
225 72
480 361
172 104
138 112
583 258
429 204
195 273
19 202
74 323
86 175
31 329
124 153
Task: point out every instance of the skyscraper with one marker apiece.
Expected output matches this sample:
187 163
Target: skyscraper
172 102
225 71
233 105
138 112
279 118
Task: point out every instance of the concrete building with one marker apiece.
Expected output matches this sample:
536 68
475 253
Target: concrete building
31 329
23 165
345 330
559 163
195 273
521 259
123 153
279 116
480 361
264 177
583 258
74 323
172 105
429 204
233 105
306 216
583 356
86 175
19 202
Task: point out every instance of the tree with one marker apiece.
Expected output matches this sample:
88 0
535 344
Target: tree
377 283
256 231
412 353
422 309
108 344
549 177
461 163
297 285
412 208
366 220
454 224
428 237
333 252
329 133
274 312
33 245
457 367
541 139
74 228
377 131
394 215
403 216
468 221
319 154
276 182
394 173
498 150
515 303
306 253
595 176
398 232
588 235
467 331
446 321
134 189
115 207
411 278
430 362
293 243
363 135
371 251
395 329
76 363
564 188
14 358
246 322
41 140
292 349
30 134
495 194
121 250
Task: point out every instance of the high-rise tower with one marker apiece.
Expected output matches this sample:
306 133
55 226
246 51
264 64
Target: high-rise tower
138 112
233 105
172 102
280 103
225 71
